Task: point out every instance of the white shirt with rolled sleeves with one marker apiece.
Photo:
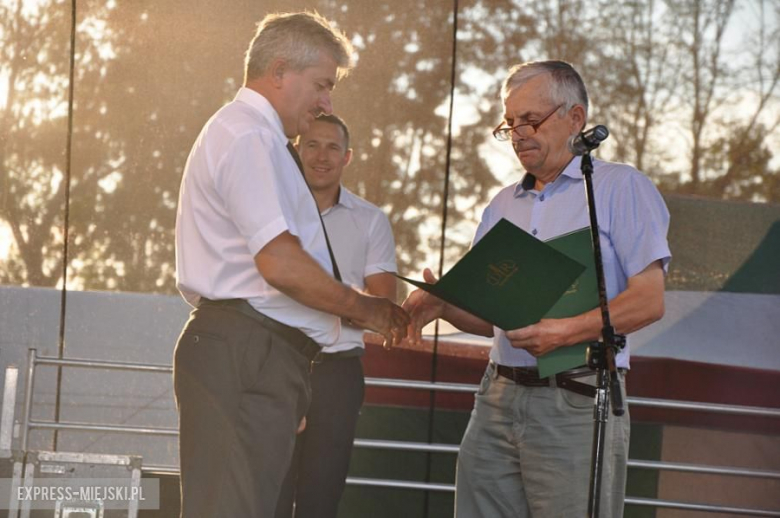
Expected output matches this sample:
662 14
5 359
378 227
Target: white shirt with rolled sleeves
633 223
241 188
363 244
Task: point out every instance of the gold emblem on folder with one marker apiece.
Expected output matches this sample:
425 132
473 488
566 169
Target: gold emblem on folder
499 273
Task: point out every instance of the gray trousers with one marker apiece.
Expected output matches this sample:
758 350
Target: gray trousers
241 392
527 452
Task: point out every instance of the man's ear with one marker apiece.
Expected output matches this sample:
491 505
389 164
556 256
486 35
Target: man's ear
348 157
277 70
578 118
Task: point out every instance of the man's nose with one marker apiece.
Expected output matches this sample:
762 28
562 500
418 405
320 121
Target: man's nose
520 133
517 140
326 104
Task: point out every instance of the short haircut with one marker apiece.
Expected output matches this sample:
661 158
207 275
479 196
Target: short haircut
338 121
297 38
567 85
332 119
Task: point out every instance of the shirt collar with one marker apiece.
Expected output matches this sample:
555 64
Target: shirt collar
572 170
346 200
257 101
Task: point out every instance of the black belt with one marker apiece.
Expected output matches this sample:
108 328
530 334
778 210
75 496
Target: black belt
529 377
355 352
295 338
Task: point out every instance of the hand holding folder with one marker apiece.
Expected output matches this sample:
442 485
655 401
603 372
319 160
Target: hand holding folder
512 280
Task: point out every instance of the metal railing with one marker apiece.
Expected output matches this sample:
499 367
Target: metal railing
29 424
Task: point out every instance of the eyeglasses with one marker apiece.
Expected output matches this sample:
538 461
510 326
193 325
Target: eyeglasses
505 133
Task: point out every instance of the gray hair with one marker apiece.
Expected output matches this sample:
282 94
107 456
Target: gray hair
567 85
297 38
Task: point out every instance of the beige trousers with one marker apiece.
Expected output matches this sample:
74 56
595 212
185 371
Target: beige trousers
527 453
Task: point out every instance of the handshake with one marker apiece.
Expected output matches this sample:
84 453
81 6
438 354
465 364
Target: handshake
396 323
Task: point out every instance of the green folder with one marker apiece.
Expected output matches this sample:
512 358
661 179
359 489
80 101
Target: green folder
512 280
581 296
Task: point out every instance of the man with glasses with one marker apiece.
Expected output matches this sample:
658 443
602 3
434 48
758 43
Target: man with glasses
527 449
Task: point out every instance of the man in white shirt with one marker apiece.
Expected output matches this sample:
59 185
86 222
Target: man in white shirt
252 257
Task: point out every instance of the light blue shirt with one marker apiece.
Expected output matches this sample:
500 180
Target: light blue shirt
633 223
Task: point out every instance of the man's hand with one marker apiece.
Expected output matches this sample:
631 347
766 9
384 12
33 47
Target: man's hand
422 308
540 338
383 317
641 304
289 269
301 425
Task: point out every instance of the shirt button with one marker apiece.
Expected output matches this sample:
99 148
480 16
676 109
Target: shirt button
533 231
541 198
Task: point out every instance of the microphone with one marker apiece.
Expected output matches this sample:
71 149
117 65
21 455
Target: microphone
588 140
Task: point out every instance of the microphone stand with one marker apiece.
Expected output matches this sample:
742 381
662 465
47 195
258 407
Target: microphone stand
601 354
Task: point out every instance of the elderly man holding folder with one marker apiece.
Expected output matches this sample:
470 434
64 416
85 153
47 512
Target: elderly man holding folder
527 448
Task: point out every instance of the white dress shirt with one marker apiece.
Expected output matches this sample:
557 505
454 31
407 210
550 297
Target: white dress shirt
241 188
363 244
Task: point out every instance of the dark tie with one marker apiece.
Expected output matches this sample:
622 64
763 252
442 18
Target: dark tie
297 159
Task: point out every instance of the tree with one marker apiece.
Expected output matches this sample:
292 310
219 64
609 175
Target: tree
35 65
745 171
149 74
638 80
724 139
396 108
741 161
141 94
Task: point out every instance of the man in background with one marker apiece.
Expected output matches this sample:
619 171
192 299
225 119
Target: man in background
252 257
365 252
